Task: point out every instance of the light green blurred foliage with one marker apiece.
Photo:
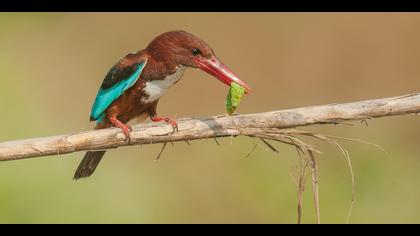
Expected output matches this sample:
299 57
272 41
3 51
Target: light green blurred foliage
52 64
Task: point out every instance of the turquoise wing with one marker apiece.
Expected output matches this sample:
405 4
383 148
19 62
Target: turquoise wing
120 78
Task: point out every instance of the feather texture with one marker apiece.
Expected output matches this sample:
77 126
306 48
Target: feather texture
120 78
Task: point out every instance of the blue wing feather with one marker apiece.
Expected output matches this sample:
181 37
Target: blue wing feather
107 96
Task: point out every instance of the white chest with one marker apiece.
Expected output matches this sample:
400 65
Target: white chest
156 88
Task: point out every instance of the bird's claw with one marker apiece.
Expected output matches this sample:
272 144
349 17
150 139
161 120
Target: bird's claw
169 121
174 125
127 130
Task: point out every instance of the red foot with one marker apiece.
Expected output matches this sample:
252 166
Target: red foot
167 120
125 128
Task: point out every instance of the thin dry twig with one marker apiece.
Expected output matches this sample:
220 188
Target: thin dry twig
315 184
301 186
353 182
254 146
216 141
161 151
289 137
272 148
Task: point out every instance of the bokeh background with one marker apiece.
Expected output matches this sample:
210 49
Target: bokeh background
51 65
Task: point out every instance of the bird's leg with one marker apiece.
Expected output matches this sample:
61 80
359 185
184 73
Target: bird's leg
173 123
125 128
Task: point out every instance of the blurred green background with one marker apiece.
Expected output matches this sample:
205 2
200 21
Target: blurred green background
51 66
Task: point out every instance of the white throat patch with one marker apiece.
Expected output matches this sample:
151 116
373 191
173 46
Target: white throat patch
156 88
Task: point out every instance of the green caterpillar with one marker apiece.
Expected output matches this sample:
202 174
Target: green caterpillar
234 97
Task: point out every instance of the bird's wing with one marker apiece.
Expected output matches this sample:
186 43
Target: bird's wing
120 77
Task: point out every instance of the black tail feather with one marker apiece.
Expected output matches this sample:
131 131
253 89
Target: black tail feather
88 165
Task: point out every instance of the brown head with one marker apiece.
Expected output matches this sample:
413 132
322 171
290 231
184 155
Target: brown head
185 49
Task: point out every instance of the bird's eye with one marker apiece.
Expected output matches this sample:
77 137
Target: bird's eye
196 52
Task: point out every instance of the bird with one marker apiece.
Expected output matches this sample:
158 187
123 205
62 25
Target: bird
134 84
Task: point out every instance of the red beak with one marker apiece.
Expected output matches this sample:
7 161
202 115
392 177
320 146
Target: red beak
216 68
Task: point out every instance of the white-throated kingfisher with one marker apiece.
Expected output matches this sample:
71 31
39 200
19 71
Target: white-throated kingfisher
133 86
